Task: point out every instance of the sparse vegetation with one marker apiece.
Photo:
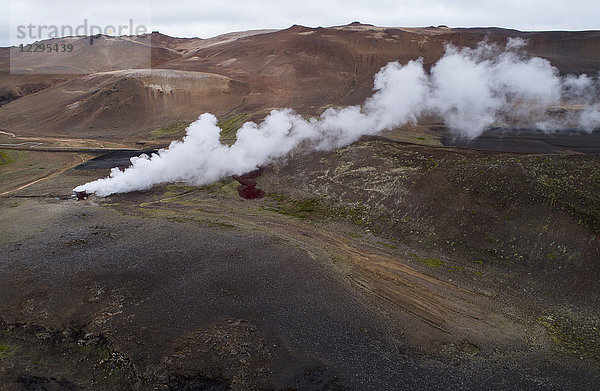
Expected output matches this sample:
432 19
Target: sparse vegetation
568 183
230 124
427 261
390 246
8 156
7 351
572 336
174 190
207 222
224 187
297 208
169 129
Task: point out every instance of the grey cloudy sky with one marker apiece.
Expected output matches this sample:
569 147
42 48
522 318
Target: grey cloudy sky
204 19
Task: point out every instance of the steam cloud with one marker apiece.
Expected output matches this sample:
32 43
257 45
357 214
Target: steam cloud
470 89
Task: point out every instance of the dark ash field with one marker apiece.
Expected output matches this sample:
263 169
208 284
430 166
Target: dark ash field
445 268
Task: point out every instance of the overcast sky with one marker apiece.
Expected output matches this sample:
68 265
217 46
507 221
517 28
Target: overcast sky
188 18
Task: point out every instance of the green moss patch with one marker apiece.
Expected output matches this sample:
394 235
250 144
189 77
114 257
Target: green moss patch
574 337
230 124
8 156
207 222
169 129
176 190
224 187
427 261
298 208
7 351
390 246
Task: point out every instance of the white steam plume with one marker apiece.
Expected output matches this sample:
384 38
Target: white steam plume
470 89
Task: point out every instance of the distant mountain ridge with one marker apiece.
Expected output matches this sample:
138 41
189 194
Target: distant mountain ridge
307 69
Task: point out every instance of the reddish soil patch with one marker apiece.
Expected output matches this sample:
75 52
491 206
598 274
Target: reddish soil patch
247 188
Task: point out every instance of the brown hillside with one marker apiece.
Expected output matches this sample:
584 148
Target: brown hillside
33 72
308 68
121 104
23 73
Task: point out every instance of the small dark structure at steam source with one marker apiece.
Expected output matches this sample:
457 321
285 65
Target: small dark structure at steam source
247 188
81 195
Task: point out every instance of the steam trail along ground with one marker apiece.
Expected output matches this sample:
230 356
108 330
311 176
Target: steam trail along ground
397 262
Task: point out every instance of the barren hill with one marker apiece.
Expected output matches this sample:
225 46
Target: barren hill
122 104
23 73
308 68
